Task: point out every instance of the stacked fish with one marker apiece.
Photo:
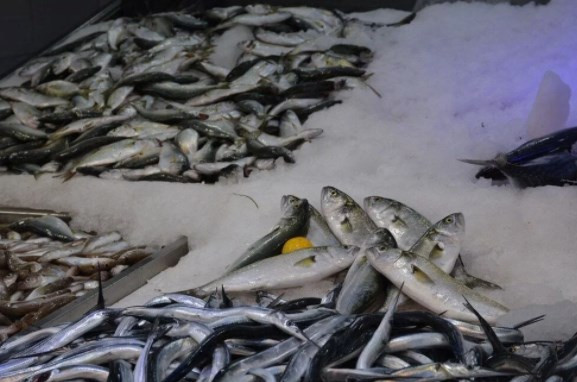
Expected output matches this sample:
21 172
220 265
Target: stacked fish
382 247
543 161
178 337
143 101
44 265
214 332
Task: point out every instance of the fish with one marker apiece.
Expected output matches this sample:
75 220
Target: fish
555 169
404 223
298 268
428 285
545 160
442 242
363 288
49 226
295 222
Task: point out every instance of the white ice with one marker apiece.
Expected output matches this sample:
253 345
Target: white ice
551 108
458 82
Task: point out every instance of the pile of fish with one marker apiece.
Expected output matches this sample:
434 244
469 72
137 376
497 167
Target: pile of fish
543 161
381 247
143 101
357 331
44 265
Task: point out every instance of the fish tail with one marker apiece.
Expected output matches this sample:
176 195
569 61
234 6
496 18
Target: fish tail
66 176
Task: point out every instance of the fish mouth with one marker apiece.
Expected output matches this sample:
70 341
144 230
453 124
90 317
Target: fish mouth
326 190
460 219
370 201
285 200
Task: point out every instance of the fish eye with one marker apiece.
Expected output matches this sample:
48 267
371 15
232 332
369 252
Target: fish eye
333 193
449 220
382 248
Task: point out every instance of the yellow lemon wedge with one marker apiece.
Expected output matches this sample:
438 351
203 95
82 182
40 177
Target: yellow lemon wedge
296 243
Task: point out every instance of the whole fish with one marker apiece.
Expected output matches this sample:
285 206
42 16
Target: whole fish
428 285
298 268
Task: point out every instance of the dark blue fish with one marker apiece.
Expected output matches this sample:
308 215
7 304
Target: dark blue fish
550 170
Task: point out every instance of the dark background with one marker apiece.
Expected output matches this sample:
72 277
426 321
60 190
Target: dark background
29 26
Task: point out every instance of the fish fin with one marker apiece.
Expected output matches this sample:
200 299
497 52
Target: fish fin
210 298
101 304
475 282
307 338
276 301
66 176
498 347
420 275
227 302
459 273
530 321
478 162
306 262
437 251
364 79
404 21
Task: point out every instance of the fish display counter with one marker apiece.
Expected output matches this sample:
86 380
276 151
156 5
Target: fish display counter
390 258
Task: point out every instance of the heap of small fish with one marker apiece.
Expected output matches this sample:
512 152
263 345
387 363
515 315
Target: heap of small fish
357 331
178 337
543 161
143 101
44 265
381 247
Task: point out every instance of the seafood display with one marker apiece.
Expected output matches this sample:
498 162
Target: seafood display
144 101
177 337
45 265
345 289
235 329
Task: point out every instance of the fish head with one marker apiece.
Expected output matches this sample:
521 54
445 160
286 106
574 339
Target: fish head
29 282
386 259
349 250
333 199
386 210
291 205
452 225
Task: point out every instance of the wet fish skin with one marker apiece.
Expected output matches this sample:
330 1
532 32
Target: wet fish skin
427 284
404 223
32 98
298 268
84 147
40 154
49 226
21 132
293 223
442 242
